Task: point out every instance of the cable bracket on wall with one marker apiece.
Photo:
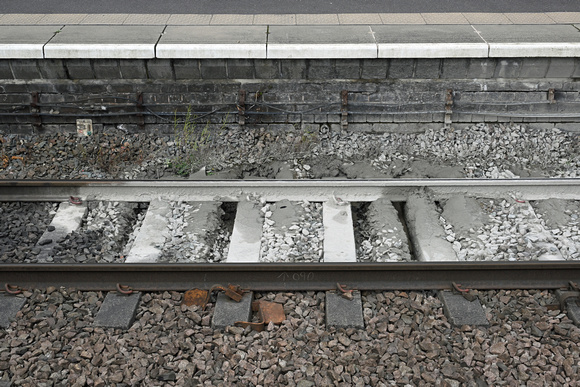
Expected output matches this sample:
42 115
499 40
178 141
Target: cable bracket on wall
551 96
448 106
35 109
241 106
344 109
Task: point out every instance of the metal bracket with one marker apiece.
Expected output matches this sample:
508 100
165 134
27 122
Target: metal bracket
344 109
268 312
344 292
241 107
34 108
551 96
448 106
140 118
467 293
201 297
124 289
12 289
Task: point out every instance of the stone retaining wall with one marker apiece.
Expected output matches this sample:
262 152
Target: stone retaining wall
381 94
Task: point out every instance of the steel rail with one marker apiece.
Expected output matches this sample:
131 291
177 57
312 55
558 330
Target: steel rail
295 277
274 190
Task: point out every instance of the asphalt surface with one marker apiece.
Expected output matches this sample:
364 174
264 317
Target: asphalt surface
284 6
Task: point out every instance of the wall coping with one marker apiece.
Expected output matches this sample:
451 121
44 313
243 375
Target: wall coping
288 42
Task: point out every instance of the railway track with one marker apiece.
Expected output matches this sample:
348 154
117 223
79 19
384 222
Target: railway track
433 240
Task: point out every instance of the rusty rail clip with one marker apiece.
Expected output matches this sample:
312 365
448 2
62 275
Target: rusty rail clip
465 292
201 297
12 289
344 292
74 200
268 312
124 289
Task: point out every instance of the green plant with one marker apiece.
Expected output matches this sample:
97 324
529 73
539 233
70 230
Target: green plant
192 144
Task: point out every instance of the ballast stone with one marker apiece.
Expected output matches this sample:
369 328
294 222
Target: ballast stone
344 313
67 219
460 311
118 310
9 306
227 311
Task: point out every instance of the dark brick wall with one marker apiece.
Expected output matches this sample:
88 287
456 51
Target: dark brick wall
146 94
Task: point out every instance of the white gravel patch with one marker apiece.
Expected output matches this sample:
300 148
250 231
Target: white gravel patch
300 241
511 232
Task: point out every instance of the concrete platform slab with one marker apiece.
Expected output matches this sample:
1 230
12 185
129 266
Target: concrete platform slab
9 306
153 232
24 42
459 311
429 41
339 244
246 238
343 313
507 41
118 310
227 311
110 42
322 42
213 42
67 219
426 232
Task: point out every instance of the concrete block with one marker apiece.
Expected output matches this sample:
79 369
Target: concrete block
186 69
321 69
344 313
227 311
339 245
347 68
460 311
401 69
107 69
561 67
240 68
160 69
427 68
455 68
426 232
80 69
246 237
519 41
153 232
294 69
133 69
25 69
104 42
508 68
118 310
5 70
213 69
9 306
480 68
374 68
52 69
534 67
320 42
213 42
67 219
24 41
267 68
428 41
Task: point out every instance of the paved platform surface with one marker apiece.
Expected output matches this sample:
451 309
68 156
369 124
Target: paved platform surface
290 18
